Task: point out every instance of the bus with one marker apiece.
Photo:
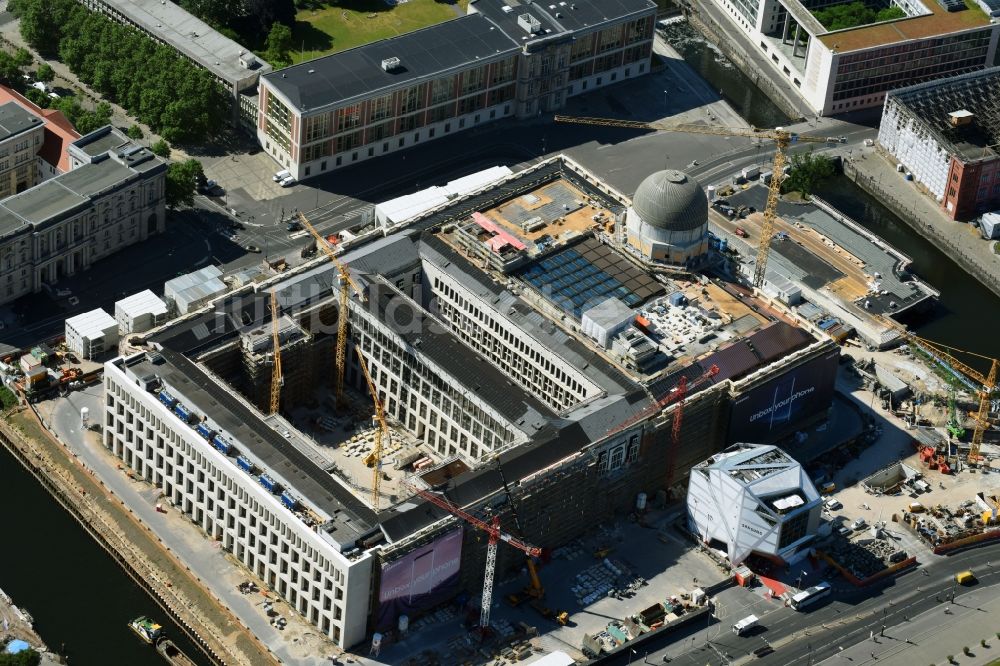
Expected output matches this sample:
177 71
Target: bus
804 599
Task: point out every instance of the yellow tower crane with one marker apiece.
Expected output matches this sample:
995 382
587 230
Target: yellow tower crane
374 459
984 385
782 140
346 281
276 378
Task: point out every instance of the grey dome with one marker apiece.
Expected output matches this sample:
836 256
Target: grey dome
671 200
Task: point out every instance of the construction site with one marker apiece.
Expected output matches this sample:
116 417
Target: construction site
506 379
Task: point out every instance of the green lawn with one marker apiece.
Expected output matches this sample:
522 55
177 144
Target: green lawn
328 29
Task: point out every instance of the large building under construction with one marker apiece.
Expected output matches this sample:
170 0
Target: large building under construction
510 335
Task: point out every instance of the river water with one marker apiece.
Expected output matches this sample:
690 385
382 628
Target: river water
81 600
737 89
967 315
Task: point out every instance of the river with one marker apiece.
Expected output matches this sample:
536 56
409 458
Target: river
967 314
746 98
80 599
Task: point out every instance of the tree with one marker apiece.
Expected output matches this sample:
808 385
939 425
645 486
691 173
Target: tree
27 657
10 73
161 149
39 25
7 398
45 73
279 45
261 14
135 132
38 97
182 179
807 170
23 57
151 81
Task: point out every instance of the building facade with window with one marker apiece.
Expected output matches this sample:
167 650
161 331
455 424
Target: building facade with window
67 223
500 61
947 134
22 134
836 71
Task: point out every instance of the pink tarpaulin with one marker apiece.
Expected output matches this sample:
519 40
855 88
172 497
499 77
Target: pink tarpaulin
500 238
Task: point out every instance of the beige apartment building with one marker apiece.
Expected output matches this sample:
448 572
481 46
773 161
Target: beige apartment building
502 60
113 199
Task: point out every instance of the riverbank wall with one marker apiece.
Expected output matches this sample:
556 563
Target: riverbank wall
116 531
712 31
916 220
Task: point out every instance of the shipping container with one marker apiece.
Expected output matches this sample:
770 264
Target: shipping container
222 445
167 399
244 464
268 482
204 431
289 501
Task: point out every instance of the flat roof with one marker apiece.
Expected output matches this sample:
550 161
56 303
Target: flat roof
558 16
15 119
145 302
424 54
969 95
585 273
352 519
44 202
938 22
101 141
92 324
190 36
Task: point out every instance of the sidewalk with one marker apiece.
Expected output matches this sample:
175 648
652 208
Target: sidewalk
875 172
930 637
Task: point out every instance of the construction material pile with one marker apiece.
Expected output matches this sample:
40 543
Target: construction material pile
609 577
866 557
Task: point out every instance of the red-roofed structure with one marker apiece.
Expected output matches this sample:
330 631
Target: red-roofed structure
59 132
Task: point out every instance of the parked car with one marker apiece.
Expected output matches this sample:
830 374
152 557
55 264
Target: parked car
859 524
281 175
832 504
844 530
287 181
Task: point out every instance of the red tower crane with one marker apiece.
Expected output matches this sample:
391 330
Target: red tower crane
678 392
492 528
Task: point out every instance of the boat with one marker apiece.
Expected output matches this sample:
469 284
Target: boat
146 629
166 648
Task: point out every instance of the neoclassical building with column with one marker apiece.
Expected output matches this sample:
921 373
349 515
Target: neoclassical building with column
67 223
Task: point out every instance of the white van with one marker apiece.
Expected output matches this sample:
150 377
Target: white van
281 175
745 625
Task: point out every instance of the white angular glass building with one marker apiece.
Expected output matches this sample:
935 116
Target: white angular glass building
753 499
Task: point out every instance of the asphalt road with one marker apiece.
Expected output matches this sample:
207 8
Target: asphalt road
806 638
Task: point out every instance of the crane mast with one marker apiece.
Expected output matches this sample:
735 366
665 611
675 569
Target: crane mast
276 378
496 535
782 140
374 459
345 282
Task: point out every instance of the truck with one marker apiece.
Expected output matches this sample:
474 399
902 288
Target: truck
750 172
745 625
